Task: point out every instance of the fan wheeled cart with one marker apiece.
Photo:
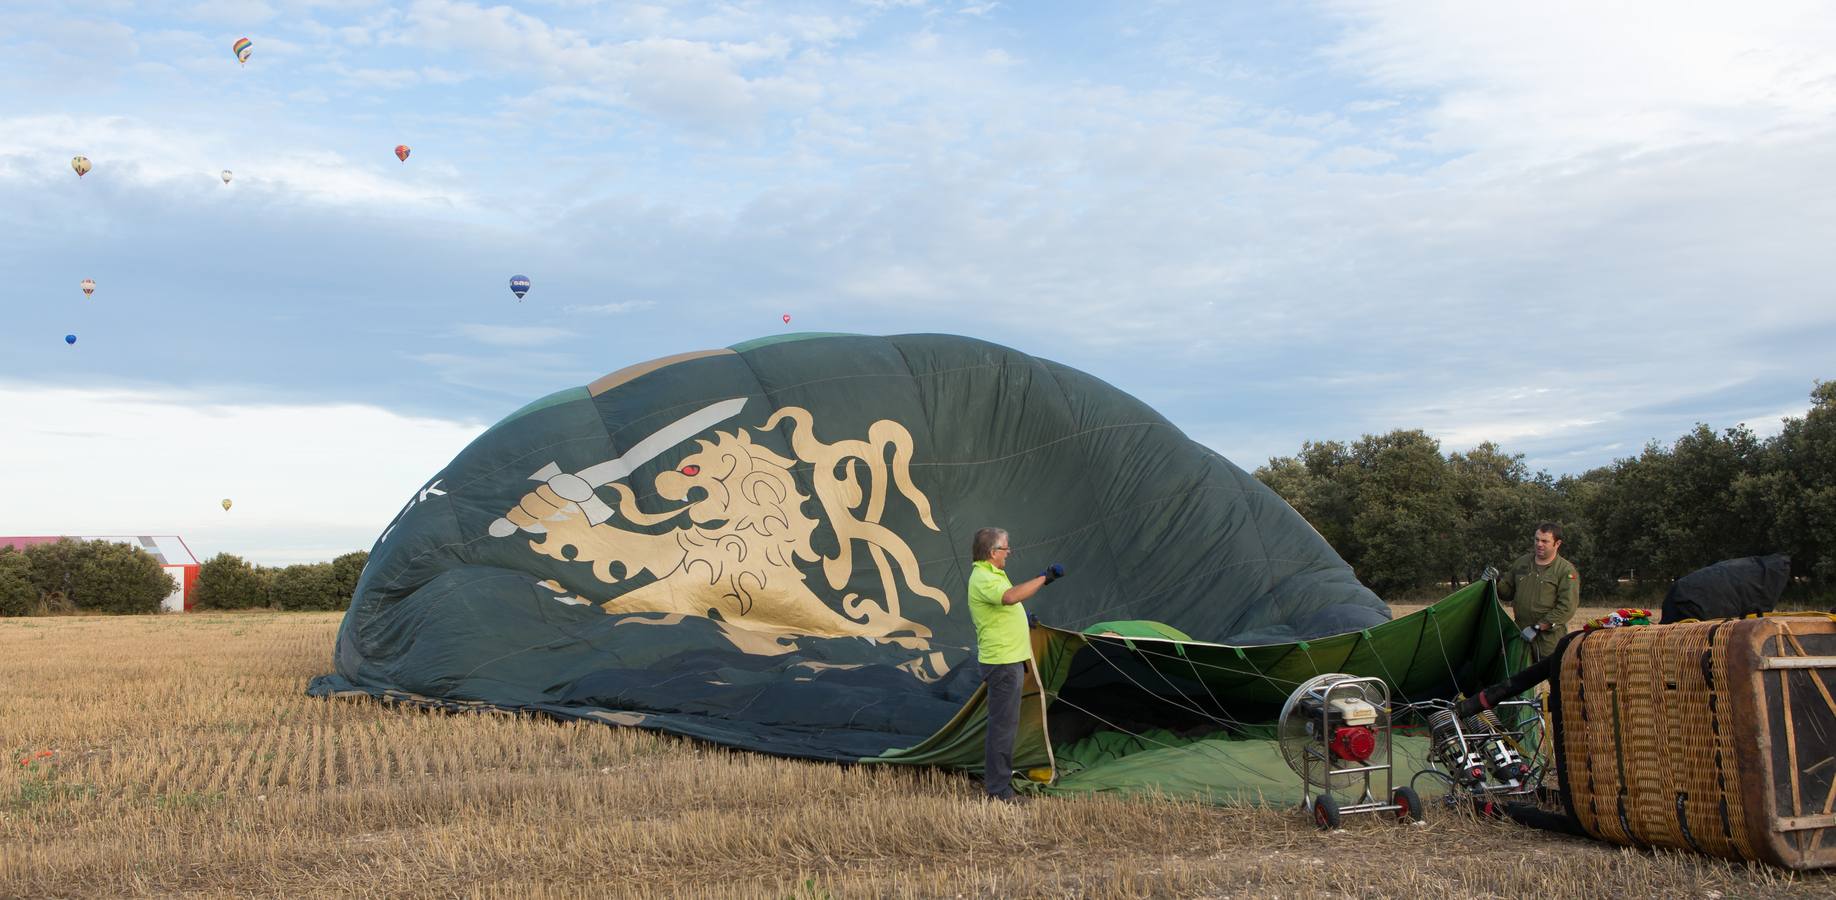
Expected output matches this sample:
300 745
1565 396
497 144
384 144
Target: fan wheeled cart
1334 732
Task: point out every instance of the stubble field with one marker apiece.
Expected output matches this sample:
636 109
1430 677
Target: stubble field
178 755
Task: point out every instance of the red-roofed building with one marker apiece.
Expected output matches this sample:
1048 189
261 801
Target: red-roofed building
169 549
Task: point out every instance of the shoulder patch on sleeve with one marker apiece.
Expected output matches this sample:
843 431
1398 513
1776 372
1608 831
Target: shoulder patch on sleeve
1571 576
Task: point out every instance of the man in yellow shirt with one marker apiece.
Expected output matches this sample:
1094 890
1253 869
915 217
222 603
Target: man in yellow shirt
1003 647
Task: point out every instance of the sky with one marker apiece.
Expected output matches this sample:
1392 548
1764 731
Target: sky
1569 228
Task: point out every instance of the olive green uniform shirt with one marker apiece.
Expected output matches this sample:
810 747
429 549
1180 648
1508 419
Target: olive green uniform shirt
1539 594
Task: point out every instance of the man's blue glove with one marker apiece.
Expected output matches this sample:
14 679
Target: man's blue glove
1032 621
1053 573
1530 633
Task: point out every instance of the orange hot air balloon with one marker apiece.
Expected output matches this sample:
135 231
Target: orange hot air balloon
89 287
80 164
401 152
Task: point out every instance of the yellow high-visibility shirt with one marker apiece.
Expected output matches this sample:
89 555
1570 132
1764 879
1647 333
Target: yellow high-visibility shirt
1000 628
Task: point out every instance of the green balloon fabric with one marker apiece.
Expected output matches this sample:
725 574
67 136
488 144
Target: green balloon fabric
767 546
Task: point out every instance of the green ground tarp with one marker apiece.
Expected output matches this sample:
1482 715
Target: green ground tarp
1224 768
1103 684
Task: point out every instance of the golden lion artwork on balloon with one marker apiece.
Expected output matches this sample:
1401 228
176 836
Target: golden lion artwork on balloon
734 556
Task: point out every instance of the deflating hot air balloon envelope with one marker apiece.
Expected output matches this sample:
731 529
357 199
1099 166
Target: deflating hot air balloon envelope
767 546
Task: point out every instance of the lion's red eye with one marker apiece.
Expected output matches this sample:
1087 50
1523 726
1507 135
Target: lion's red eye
691 470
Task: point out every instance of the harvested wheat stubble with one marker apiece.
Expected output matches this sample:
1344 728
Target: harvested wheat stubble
184 758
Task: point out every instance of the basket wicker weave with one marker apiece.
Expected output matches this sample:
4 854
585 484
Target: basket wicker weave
1714 736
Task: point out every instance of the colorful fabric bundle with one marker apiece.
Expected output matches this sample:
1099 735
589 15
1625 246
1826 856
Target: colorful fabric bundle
1618 617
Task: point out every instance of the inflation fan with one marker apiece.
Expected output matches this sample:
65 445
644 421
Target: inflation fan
1334 731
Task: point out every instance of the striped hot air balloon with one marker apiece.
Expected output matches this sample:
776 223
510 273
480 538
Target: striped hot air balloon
402 151
242 48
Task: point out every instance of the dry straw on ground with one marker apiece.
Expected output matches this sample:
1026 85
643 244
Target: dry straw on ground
177 755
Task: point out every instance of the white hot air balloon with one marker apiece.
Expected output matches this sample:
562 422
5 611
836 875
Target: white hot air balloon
227 175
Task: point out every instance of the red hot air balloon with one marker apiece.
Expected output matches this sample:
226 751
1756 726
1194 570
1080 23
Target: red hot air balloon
787 318
401 152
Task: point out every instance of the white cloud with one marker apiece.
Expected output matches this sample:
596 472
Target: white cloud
512 335
694 82
146 461
610 309
1567 78
385 79
134 151
1356 158
496 376
239 13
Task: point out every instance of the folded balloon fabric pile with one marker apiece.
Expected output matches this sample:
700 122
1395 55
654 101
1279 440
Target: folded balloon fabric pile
1629 615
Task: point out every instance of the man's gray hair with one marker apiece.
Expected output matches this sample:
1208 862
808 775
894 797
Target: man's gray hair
985 540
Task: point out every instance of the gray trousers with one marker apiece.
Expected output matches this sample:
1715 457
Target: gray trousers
1004 686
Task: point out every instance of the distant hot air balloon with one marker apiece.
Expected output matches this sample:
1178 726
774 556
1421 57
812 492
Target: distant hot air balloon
227 174
242 48
80 164
89 287
401 152
787 318
226 504
519 285
69 338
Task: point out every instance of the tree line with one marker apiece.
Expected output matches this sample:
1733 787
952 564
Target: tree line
72 576
1411 519
227 581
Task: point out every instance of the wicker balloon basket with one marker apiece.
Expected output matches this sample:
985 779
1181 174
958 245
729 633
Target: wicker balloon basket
1718 737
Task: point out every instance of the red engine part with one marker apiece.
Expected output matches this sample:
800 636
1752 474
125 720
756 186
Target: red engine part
1354 742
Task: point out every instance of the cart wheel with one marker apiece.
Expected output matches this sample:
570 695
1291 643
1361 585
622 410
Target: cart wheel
1326 812
1411 804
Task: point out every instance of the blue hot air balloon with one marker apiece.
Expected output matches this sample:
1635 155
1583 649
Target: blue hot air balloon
69 338
519 285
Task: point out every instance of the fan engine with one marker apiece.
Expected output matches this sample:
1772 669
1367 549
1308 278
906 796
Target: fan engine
1334 732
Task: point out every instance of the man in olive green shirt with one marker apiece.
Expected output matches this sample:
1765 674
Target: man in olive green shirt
1543 590
1003 646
